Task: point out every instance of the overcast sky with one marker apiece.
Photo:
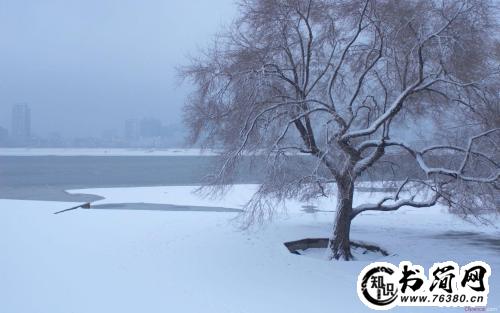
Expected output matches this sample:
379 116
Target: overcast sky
85 66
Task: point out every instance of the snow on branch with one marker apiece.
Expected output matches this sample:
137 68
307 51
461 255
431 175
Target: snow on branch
398 203
493 177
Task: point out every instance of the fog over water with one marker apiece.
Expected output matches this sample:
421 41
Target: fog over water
85 66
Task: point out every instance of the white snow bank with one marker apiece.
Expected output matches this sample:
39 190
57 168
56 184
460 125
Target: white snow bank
174 195
152 261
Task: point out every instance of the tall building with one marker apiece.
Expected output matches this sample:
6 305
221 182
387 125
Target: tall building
21 123
132 130
4 136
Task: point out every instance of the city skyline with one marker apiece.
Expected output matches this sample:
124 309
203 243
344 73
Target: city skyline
86 66
137 132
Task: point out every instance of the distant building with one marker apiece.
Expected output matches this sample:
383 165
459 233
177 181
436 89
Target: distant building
21 124
150 132
132 130
4 136
55 140
151 128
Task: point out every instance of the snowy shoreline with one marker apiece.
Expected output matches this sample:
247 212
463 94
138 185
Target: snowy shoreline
127 261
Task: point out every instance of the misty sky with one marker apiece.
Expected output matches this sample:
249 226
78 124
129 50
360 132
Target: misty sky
85 66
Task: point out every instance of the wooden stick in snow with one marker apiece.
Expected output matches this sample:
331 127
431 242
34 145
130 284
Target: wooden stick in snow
83 206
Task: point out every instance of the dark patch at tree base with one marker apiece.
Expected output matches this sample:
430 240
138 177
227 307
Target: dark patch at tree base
322 243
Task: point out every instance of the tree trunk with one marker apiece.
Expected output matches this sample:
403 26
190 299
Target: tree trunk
340 242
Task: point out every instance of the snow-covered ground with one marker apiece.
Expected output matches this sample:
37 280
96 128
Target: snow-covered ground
103 152
92 261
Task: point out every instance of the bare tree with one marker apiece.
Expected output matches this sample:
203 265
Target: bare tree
334 81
